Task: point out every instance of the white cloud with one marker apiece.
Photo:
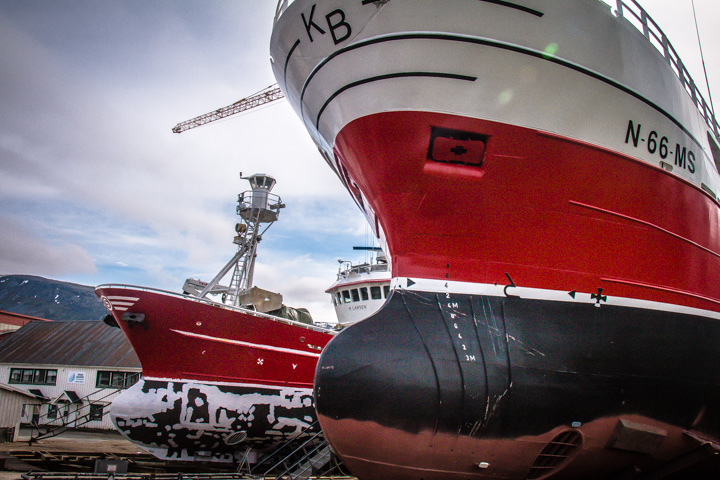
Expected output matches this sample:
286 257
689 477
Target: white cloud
94 91
89 91
23 251
300 290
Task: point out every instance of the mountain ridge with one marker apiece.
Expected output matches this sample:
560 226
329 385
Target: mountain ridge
42 297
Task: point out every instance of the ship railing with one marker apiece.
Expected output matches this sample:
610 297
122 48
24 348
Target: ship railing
363 268
631 11
206 301
639 18
259 199
281 7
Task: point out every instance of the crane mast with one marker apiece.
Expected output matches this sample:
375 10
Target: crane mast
267 95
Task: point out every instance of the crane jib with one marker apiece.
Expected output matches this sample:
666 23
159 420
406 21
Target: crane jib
267 95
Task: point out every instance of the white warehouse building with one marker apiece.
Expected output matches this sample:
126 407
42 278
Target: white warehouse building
69 372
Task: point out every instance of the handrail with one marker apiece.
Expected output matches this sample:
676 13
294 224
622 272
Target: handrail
281 7
58 428
206 301
255 198
292 472
289 446
657 38
363 268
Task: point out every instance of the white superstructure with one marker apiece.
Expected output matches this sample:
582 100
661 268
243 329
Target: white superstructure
360 289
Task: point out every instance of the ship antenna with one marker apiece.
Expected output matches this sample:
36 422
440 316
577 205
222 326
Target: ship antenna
702 57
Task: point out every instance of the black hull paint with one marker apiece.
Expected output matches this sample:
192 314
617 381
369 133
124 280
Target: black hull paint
458 370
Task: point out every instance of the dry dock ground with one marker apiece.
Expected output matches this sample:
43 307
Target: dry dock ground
73 446
80 451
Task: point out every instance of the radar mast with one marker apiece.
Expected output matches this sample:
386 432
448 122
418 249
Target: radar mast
258 209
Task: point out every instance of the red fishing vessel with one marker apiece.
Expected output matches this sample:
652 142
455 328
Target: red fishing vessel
543 175
227 370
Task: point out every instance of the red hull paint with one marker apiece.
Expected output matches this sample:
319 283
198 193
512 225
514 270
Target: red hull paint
508 458
184 338
550 212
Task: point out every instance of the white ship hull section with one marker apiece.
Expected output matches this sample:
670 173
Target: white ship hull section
594 91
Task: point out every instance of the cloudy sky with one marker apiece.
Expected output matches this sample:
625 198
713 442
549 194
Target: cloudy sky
94 187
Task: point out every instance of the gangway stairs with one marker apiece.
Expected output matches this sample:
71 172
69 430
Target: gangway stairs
56 426
311 458
320 457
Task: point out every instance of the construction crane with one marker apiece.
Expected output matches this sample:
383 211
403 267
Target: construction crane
267 95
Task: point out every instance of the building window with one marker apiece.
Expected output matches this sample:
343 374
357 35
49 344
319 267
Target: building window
107 379
103 379
52 412
33 376
96 412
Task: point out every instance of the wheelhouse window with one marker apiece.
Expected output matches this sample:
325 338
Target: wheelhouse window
386 289
361 294
33 376
108 379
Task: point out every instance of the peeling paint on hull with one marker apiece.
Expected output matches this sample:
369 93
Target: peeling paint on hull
186 420
216 379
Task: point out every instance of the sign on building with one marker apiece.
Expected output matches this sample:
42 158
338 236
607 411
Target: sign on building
76 377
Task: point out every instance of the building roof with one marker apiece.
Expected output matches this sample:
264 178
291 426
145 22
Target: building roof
14 320
90 344
15 390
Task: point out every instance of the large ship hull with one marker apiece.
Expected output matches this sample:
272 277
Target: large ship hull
462 386
545 189
217 380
